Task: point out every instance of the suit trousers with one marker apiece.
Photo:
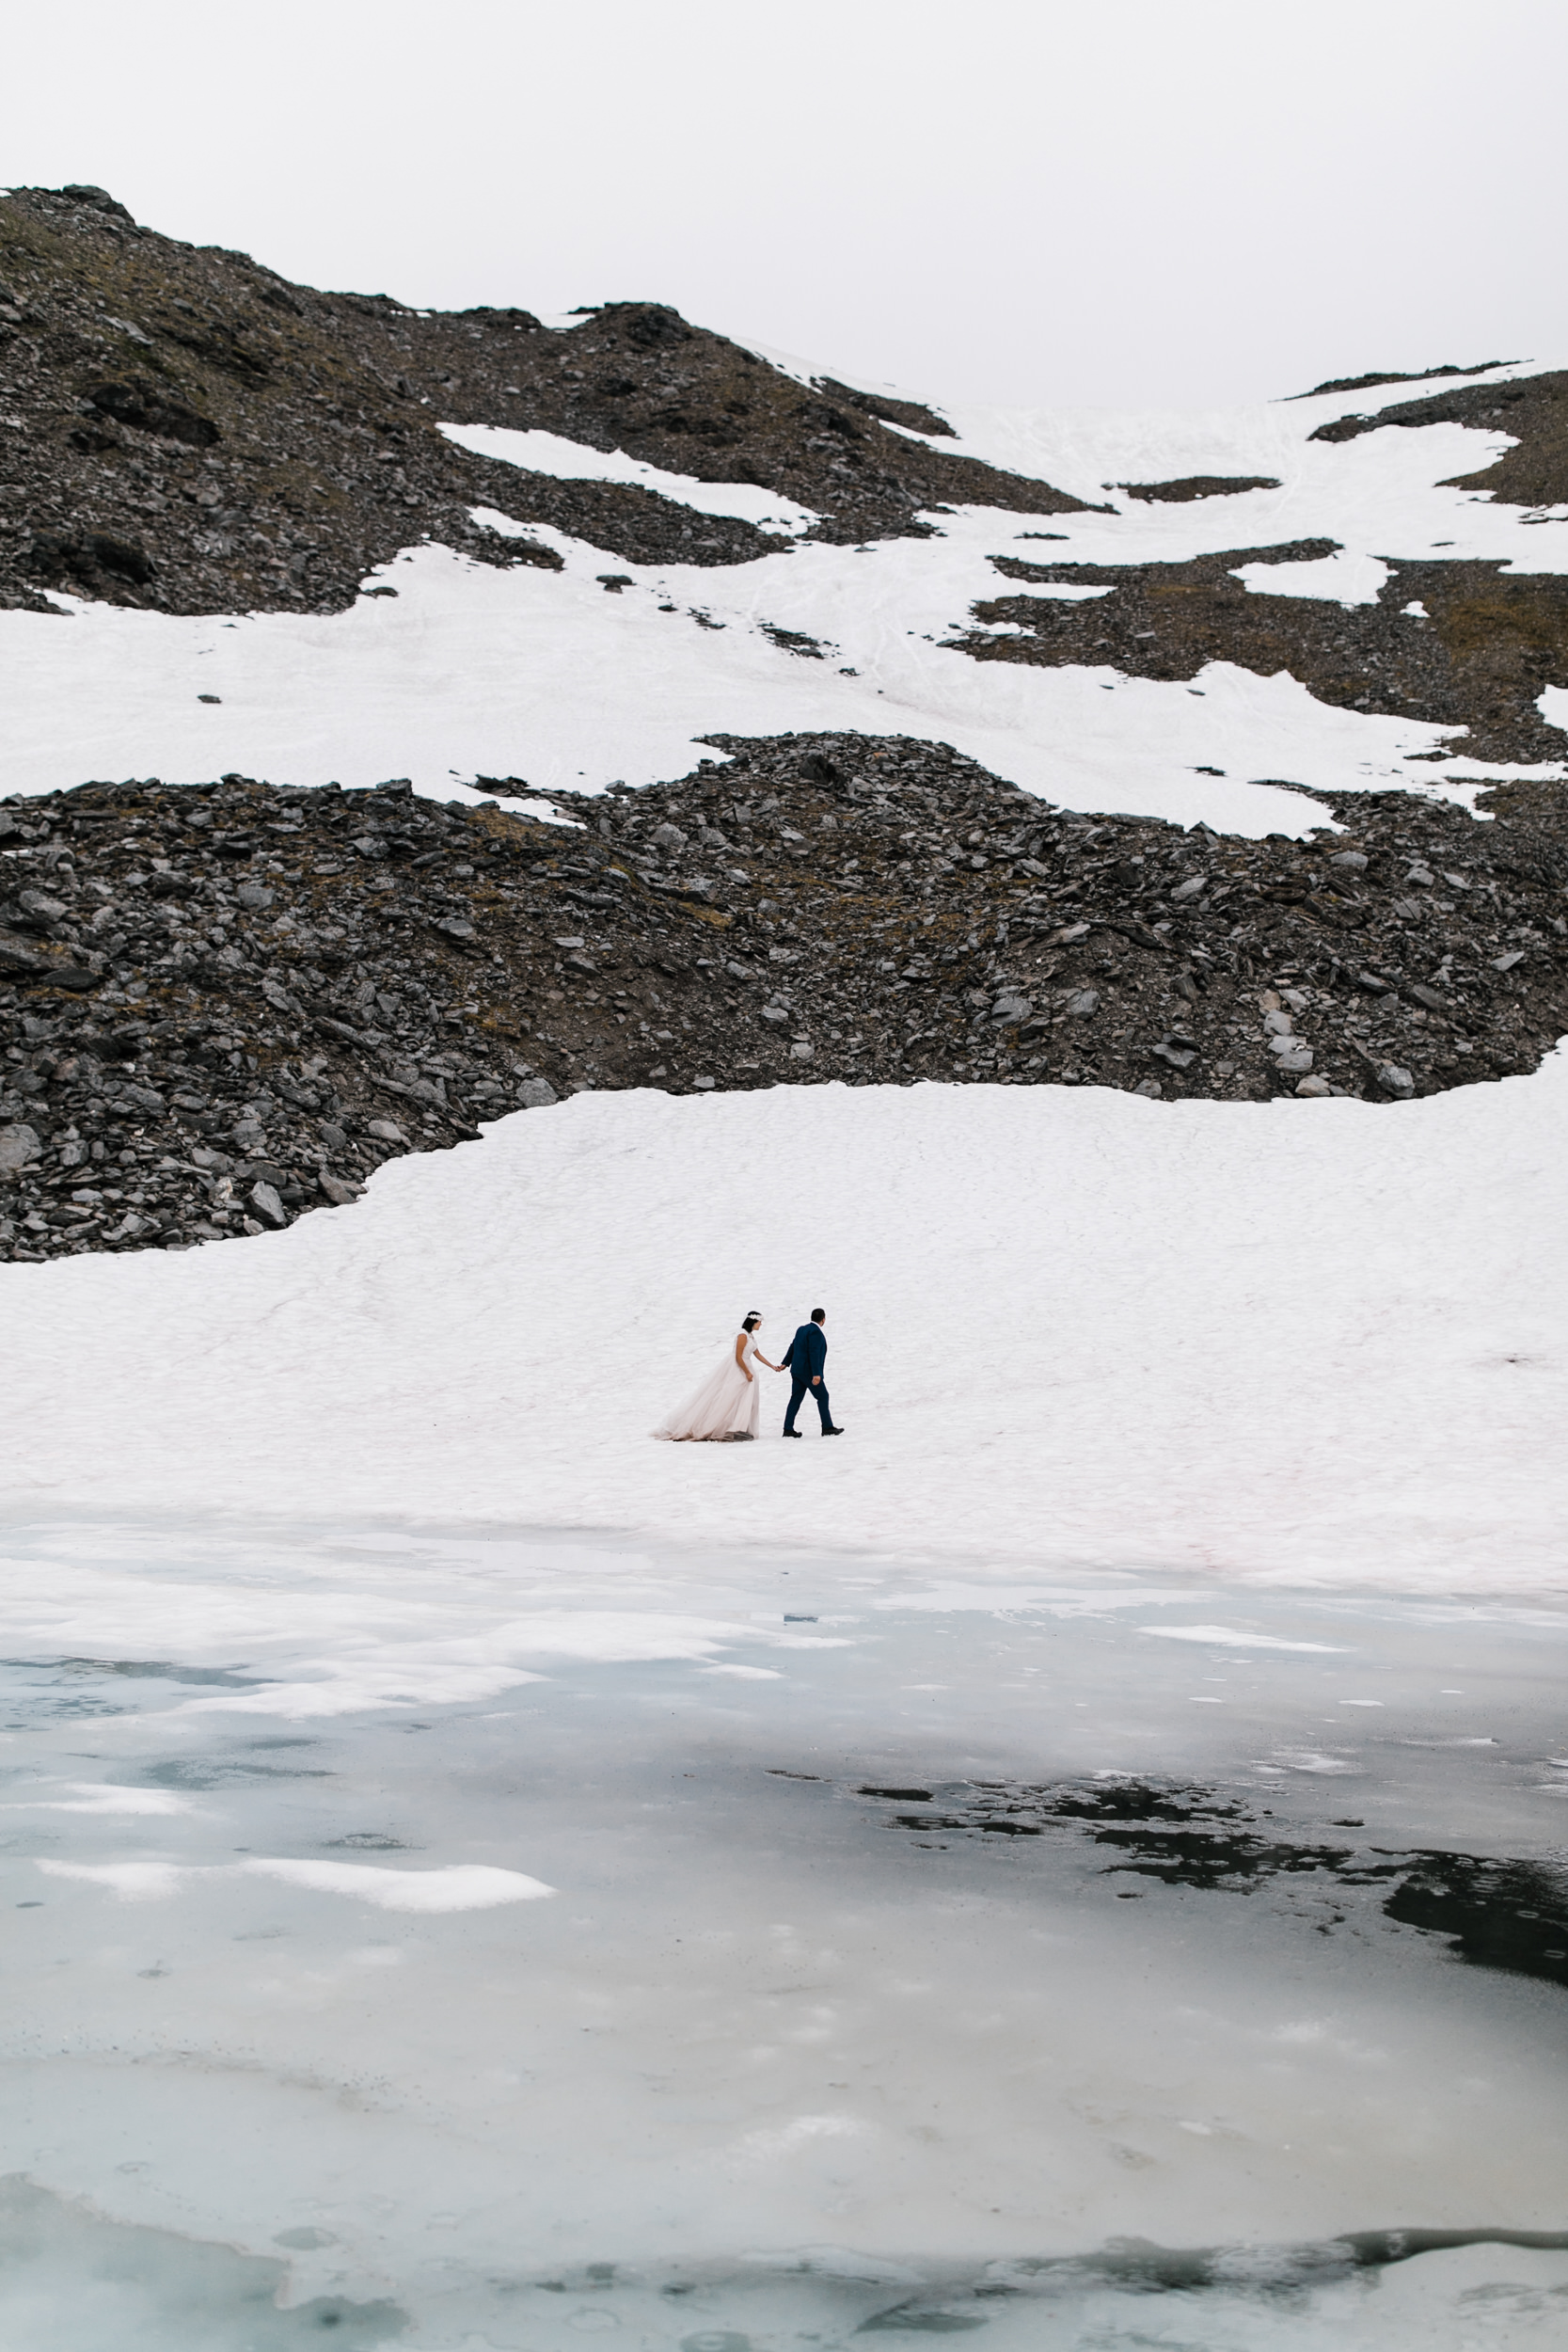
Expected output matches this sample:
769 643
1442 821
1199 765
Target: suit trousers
800 1388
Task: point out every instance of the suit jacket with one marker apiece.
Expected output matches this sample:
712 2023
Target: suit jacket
807 1353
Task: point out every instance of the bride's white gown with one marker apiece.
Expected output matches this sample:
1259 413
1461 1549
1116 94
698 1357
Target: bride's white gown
726 1405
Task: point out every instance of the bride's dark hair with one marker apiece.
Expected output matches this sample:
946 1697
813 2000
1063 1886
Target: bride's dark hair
750 1321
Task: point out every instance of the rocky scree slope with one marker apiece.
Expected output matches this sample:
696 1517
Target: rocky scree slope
223 1006
1459 644
185 430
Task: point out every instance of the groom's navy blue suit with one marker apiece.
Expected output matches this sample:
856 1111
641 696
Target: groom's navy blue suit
804 1358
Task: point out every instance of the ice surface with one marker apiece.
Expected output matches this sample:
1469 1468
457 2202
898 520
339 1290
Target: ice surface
801 2045
1066 1327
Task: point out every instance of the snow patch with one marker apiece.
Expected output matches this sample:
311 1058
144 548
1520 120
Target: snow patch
1341 578
1231 1637
551 453
460 1886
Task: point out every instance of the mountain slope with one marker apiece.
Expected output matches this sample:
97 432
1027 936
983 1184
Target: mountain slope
196 434
840 739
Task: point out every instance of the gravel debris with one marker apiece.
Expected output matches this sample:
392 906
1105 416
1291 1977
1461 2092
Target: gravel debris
223 1006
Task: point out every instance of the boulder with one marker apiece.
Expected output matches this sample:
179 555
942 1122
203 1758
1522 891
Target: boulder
267 1204
18 1145
18 954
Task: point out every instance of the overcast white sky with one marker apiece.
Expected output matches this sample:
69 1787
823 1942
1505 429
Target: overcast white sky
1054 202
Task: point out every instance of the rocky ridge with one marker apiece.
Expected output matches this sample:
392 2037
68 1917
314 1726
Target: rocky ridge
224 1006
183 429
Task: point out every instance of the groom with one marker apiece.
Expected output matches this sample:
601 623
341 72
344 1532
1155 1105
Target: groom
805 1358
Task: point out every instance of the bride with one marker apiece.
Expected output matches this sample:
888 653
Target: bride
725 1406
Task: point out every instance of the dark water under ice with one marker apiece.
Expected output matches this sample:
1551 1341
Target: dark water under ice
450 1940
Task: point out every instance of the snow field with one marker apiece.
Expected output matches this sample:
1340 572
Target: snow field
1316 1343
472 672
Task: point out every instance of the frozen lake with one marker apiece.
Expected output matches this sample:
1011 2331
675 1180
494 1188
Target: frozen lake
480 1940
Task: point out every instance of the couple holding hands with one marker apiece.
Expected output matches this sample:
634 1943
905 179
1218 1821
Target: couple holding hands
726 1406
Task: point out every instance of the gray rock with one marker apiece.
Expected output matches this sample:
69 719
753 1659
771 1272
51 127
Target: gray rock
1348 860
536 1094
18 1145
456 927
386 1130
41 908
1313 1087
254 895
18 955
1151 1087
1279 1025
336 1190
265 1201
1188 889
370 845
1296 1057
1506 964
1427 997
668 837
1178 1052
1010 1010
1086 1002
1395 1080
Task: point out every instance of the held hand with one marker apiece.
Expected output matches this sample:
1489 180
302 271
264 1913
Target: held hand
816 1380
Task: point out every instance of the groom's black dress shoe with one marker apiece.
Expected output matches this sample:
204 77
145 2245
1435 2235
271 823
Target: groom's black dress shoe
792 1433
832 1433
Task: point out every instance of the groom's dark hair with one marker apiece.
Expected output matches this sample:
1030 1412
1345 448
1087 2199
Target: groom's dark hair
819 1314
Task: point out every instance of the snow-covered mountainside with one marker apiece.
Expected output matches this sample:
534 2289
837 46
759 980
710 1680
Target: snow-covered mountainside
800 698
